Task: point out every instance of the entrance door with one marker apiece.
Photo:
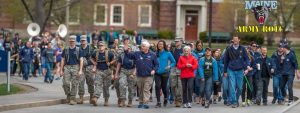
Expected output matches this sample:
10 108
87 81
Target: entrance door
191 25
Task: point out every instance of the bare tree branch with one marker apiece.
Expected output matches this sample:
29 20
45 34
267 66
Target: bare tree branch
66 5
27 10
48 15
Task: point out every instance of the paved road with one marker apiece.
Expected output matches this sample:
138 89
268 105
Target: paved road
54 91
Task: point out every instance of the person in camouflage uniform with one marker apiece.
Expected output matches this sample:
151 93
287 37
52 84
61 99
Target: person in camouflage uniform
175 81
69 70
125 76
103 76
86 68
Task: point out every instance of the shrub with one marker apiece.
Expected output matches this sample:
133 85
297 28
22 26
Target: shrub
258 38
202 36
166 34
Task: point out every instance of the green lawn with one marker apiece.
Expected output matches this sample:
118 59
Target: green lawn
271 49
13 89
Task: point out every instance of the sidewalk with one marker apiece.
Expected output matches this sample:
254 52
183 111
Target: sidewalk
46 94
53 94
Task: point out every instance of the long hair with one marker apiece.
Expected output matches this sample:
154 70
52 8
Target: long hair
197 43
164 44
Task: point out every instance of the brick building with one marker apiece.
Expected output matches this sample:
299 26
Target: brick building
186 18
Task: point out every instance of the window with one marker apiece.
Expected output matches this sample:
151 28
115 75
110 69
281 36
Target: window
144 16
117 15
100 14
74 14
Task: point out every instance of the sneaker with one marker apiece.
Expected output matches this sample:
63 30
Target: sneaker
280 102
151 100
146 106
243 104
234 106
165 103
290 102
215 101
58 78
185 105
258 102
219 99
158 105
189 105
140 105
248 102
225 102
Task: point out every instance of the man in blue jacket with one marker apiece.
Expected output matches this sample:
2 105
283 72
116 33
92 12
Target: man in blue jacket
110 37
208 71
26 56
265 68
146 66
289 65
236 65
276 57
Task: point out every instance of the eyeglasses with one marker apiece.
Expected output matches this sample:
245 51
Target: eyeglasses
254 46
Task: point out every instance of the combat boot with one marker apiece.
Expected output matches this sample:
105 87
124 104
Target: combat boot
94 101
129 103
91 98
72 101
68 99
106 102
177 104
119 102
122 103
80 99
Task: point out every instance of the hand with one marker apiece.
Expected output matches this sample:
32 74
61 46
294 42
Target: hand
80 73
202 79
78 76
94 69
272 70
62 73
108 64
298 74
112 77
225 75
152 72
168 67
246 72
188 65
134 73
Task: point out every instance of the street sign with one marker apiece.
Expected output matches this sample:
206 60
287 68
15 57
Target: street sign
3 61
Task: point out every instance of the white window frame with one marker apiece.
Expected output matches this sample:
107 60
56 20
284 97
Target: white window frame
105 14
78 17
139 16
111 15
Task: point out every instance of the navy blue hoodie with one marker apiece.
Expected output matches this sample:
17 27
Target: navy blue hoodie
26 55
290 64
145 62
236 59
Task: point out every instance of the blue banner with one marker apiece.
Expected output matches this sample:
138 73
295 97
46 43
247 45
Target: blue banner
3 61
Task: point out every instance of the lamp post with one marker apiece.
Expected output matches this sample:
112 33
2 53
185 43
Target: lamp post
210 23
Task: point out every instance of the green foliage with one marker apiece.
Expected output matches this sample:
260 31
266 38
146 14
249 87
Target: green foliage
202 36
13 89
129 32
166 34
246 38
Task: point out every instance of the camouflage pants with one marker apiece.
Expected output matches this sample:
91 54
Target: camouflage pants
70 80
175 84
102 83
89 79
126 80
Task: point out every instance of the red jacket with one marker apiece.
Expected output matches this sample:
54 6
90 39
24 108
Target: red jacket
187 72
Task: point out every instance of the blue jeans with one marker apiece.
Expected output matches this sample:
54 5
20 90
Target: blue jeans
197 86
225 85
26 70
235 85
276 87
208 88
49 76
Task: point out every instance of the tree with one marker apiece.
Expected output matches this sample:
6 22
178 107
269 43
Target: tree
287 11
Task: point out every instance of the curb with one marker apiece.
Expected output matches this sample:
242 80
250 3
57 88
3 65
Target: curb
34 104
291 106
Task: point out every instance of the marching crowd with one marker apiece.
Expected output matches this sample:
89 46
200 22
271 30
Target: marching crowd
182 72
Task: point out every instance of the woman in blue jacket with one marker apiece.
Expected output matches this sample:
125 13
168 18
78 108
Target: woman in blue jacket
208 71
162 74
